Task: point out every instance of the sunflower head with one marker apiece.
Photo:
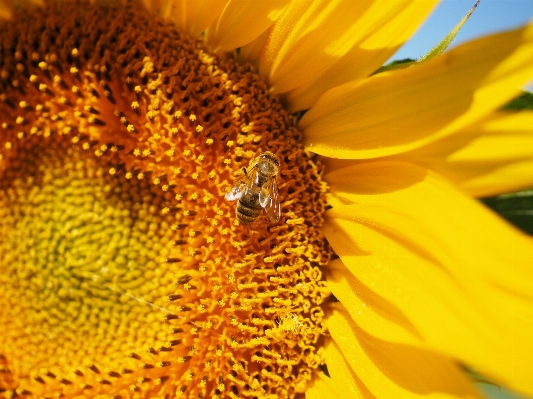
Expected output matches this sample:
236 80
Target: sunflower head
124 269
163 217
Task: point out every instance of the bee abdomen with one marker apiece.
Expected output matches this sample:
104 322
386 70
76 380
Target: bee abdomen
248 213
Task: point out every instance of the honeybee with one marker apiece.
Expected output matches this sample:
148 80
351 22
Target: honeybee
257 190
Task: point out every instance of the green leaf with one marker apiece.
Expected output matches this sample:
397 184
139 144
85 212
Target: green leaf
437 50
517 208
523 101
490 389
494 392
443 45
396 64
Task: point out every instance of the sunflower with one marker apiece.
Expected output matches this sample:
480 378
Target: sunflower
125 272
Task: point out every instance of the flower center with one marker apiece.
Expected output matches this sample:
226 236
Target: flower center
72 235
123 267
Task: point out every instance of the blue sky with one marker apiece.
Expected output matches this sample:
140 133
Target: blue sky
489 17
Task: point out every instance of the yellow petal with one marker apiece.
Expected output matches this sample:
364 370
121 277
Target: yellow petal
461 275
493 156
342 378
194 16
409 191
392 370
242 21
373 313
342 382
497 182
397 111
309 37
383 28
253 51
321 388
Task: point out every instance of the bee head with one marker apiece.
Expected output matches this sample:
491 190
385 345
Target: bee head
268 164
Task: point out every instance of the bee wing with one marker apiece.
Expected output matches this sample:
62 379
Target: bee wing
269 200
240 186
237 190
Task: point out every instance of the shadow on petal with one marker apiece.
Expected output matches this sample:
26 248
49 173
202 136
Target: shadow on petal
396 370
